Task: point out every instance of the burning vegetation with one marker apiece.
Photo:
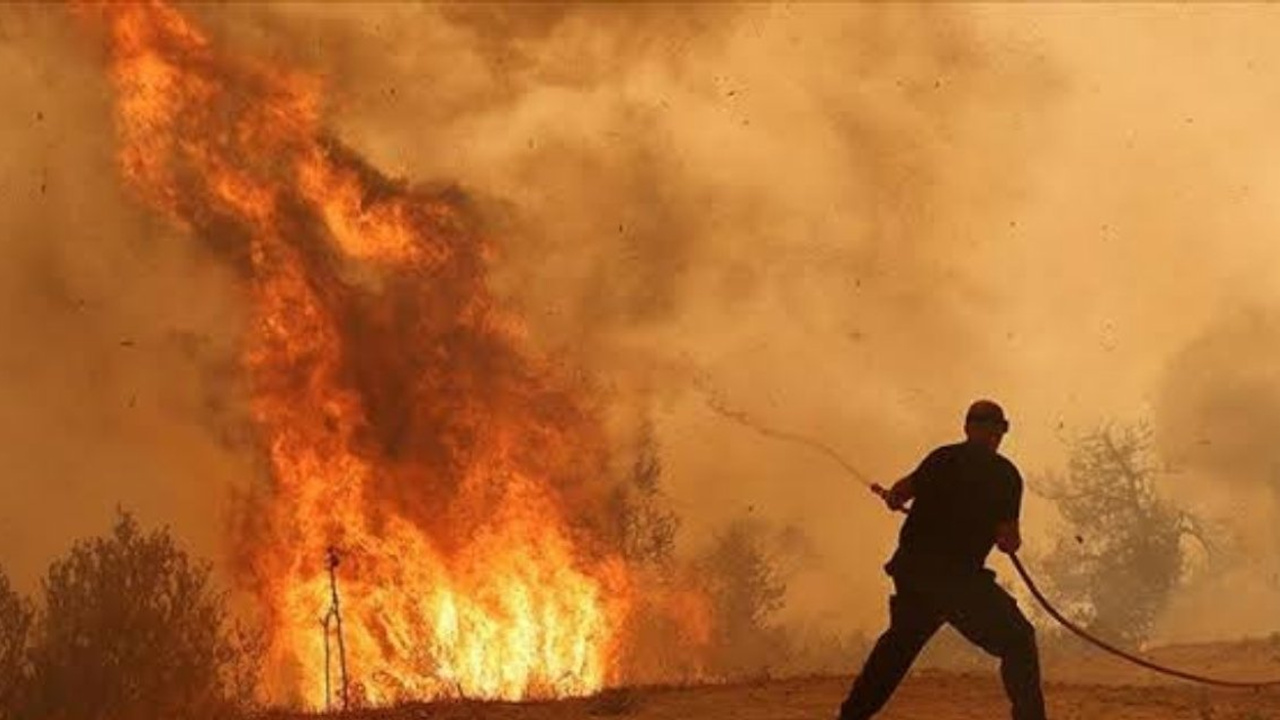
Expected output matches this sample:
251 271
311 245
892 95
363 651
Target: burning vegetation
460 481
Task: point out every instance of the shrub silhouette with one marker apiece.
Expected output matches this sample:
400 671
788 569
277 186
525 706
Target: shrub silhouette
15 627
746 591
131 628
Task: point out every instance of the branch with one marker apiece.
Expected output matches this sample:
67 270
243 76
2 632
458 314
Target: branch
1190 526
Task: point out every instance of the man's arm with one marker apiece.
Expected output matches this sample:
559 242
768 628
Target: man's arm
904 491
897 496
901 493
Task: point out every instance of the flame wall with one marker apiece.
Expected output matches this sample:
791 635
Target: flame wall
404 422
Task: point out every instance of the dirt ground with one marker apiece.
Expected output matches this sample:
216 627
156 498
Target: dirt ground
929 695
1085 687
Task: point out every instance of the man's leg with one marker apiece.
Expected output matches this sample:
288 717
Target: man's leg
985 614
912 621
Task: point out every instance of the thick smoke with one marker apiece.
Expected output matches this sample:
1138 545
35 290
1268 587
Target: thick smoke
117 380
786 200
1218 414
783 200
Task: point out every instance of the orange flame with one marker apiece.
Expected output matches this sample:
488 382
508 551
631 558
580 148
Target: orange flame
402 422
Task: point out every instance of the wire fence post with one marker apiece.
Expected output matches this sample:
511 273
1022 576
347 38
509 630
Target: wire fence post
328 691
331 624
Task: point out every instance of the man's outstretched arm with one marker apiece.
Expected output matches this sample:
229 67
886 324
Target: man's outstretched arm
897 496
901 493
904 491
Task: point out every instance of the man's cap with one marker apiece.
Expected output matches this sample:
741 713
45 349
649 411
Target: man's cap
986 412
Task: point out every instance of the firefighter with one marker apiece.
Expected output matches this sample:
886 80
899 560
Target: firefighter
964 498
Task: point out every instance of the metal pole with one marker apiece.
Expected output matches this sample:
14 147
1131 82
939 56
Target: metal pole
328 691
336 610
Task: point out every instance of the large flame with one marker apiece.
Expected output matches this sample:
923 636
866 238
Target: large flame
403 422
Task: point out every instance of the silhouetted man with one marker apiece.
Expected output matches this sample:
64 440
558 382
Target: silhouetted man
964 499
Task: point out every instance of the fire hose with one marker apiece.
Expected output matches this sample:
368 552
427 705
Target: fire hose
717 404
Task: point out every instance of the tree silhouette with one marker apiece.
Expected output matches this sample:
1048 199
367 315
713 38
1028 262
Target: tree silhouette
746 591
16 617
1124 548
131 627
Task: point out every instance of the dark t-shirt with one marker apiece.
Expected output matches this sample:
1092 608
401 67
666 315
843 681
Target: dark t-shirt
962 492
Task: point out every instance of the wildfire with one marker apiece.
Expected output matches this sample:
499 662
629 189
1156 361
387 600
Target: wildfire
403 422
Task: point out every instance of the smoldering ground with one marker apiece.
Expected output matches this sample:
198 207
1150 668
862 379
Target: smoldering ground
854 220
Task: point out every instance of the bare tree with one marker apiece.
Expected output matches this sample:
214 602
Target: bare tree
1124 549
131 627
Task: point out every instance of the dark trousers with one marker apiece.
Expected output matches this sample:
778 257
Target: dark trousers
975 606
